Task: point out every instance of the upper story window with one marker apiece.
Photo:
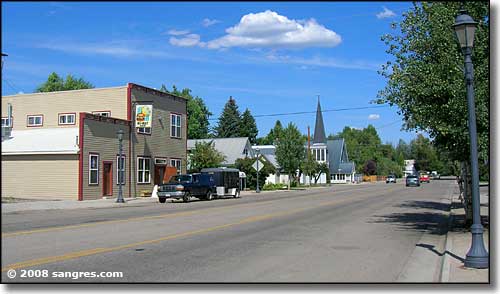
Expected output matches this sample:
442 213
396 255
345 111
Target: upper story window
67 118
175 125
6 122
102 113
35 120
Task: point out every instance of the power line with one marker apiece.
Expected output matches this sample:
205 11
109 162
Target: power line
11 85
308 112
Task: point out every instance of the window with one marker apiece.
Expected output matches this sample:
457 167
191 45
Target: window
93 169
143 170
322 154
177 163
35 120
5 122
144 130
102 113
120 169
67 119
175 125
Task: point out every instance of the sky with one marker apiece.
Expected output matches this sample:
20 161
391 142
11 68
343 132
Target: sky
272 57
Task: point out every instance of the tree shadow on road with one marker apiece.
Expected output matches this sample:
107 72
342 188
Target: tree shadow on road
433 220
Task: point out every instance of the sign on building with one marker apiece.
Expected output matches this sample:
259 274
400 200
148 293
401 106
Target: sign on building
143 116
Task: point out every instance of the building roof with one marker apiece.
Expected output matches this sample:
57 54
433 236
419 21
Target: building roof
269 153
319 128
231 148
42 141
336 150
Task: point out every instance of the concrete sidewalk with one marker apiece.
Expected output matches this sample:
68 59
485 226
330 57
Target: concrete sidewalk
458 242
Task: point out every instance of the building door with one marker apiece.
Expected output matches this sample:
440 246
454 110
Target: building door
159 172
107 178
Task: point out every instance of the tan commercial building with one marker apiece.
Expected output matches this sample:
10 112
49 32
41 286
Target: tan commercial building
64 145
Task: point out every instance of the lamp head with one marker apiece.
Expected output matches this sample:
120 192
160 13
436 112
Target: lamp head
465 27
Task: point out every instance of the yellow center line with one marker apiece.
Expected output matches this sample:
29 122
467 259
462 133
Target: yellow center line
169 215
78 254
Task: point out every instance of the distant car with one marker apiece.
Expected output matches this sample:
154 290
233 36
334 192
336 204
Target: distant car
390 179
425 178
412 180
435 175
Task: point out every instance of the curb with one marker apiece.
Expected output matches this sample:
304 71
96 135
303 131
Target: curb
444 276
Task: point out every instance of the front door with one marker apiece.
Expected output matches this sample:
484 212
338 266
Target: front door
107 179
159 173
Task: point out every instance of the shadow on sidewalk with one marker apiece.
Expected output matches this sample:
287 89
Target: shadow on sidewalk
431 248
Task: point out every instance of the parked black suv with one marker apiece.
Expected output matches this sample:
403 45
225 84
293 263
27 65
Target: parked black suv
184 186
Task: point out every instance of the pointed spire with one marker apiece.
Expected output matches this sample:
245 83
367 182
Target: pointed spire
319 128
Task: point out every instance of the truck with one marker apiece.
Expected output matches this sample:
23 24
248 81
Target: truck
209 184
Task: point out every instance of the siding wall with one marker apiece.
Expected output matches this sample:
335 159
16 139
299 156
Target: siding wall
51 104
159 143
40 176
99 136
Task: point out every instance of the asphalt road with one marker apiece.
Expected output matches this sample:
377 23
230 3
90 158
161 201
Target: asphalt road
346 233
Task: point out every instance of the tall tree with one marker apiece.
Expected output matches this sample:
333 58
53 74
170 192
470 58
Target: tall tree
56 83
229 124
248 127
204 155
197 111
290 150
426 80
273 134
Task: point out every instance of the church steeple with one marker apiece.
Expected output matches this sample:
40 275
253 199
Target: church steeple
319 128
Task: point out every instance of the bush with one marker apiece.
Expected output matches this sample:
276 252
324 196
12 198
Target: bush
272 187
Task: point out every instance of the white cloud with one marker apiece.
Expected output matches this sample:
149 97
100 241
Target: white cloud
209 22
324 62
187 41
373 116
120 49
387 13
269 29
175 32
20 92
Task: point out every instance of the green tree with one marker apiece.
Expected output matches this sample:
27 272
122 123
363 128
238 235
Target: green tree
273 134
248 127
290 150
245 165
309 166
425 79
322 168
204 155
56 83
197 111
229 124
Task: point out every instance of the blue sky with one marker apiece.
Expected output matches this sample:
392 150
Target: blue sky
271 57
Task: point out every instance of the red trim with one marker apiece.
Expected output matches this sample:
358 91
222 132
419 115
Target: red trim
35 115
129 115
103 174
80 158
60 124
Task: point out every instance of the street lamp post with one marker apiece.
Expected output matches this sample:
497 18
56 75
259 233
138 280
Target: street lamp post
257 150
465 27
120 168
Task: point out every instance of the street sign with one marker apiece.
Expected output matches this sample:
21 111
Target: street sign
261 165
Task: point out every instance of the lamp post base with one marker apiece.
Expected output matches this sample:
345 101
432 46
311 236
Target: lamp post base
120 200
477 257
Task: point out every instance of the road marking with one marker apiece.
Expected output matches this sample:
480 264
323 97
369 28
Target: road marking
78 254
169 215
